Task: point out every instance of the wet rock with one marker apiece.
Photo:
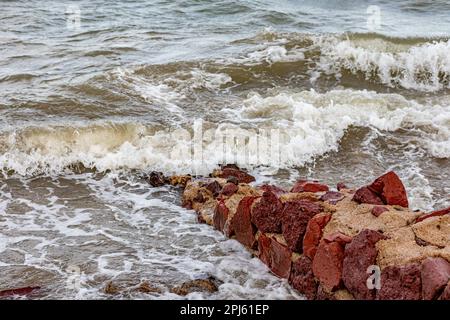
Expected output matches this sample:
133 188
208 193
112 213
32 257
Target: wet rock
313 234
332 196
111 288
433 214
302 277
242 225
390 189
275 255
146 287
366 195
229 189
294 219
435 276
308 186
18 291
214 187
198 285
266 213
240 175
274 189
341 186
327 265
156 179
179 180
400 283
378 210
360 253
220 215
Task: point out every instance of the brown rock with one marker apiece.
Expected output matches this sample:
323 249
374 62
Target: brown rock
359 255
433 214
327 265
332 196
266 213
156 179
313 234
390 189
302 277
378 210
242 225
229 189
214 187
295 218
146 287
400 283
274 189
111 288
308 186
435 276
366 195
241 176
220 215
275 255
446 294
324 294
341 186
338 237
198 285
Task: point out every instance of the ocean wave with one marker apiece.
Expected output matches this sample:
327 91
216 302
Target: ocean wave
283 130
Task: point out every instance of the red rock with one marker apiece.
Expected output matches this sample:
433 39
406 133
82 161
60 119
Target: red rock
341 186
313 234
327 265
434 214
308 186
242 176
446 294
18 291
378 210
332 196
274 189
266 213
400 283
242 225
360 254
302 277
294 220
390 189
338 237
220 215
435 276
214 187
365 195
275 255
229 189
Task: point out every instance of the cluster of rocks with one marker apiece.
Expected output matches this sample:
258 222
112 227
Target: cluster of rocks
344 244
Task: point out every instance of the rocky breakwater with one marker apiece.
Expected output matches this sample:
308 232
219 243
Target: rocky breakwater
341 244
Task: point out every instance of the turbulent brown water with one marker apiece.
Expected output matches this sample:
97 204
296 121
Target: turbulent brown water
94 94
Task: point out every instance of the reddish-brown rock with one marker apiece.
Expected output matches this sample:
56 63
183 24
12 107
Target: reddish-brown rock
435 276
434 214
327 264
378 210
214 187
338 237
308 186
332 196
302 277
446 294
341 186
241 176
313 234
274 189
266 213
275 255
242 225
18 291
220 215
366 195
360 253
229 189
390 189
295 218
400 283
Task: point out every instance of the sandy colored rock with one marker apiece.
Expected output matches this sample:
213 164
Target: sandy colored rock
434 230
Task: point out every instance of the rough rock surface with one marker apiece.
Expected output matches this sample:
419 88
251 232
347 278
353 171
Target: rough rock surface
390 189
313 234
243 227
308 186
378 210
435 276
366 195
327 264
275 255
359 255
302 277
294 219
332 196
240 175
400 283
266 213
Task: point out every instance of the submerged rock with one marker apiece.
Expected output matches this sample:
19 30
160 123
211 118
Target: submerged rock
198 285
